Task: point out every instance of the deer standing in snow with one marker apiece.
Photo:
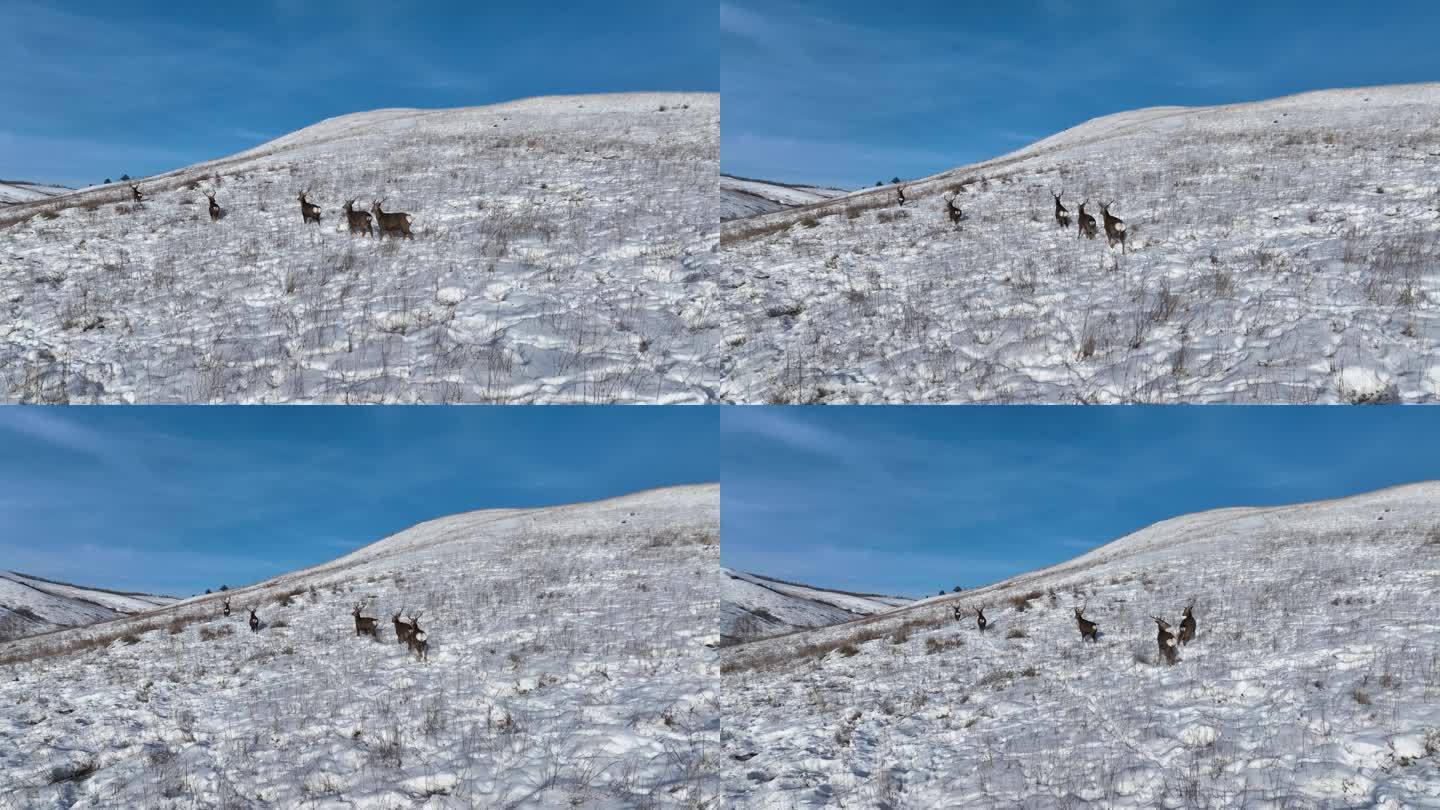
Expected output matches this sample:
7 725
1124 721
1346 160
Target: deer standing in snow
1088 629
1114 226
308 210
254 621
1087 224
214 206
419 643
953 211
402 630
1165 640
900 193
980 618
391 223
359 220
364 625
1187 625
226 609
1062 214
135 194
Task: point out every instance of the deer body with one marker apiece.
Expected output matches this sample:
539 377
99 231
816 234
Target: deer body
1114 227
214 206
418 641
359 220
953 211
308 210
135 194
402 630
1165 640
900 193
254 621
391 223
1062 214
1087 224
1088 629
364 625
980 619
1187 626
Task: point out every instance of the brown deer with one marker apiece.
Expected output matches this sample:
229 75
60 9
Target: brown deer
226 609
900 193
957 612
308 210
359 220
1114 227
953 211
1087 224
391 223
980 618
1062 214
254 621
364 625
135 193
214 206
1187 625
402 630
1088 629
1166 641
419 643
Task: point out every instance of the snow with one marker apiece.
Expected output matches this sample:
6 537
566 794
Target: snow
1313 680
743 197
19 191
752 606
581 228
1283 251
29 605
570 664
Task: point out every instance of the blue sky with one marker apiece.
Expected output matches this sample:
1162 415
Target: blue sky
97 89
845 92
176 500
906 500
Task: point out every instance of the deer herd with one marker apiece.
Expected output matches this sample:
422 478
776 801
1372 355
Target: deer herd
1090 631
391 223
1115 231
407 631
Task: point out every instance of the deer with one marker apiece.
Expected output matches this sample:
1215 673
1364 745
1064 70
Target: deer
359 220
1062 214
900 194
225 609
1166 641
980 618
254 621
1114 226
418 641
214 206
364 625
1187 625
308 210
1088 629
953 211
391 223
135 193
1087 224
402 630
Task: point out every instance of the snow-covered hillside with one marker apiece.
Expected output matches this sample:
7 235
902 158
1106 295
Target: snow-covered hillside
752 606
1284 251
743 197
564 251
1313 679
570 663
19 191
31 605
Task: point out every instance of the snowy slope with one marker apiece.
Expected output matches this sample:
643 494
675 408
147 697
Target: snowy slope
752 606
1313 680
743 197
31 605
19 191
570 664
564 251
1280 251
